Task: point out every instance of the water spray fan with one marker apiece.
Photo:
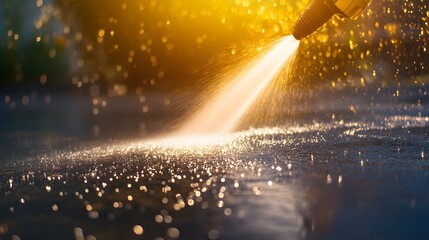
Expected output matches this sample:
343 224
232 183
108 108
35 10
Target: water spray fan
319 12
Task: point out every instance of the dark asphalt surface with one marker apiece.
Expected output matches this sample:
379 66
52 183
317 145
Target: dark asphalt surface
351 167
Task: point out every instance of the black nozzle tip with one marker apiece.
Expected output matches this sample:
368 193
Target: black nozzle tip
313 17
297 36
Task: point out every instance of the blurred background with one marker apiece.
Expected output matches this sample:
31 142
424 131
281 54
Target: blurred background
77 68
132 46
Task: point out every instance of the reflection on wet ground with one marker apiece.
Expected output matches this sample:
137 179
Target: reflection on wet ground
359 176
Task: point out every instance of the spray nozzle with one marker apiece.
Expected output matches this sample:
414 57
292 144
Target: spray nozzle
319 12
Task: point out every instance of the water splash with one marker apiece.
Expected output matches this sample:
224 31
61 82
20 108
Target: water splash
225 110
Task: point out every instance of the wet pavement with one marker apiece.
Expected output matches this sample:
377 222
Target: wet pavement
349 168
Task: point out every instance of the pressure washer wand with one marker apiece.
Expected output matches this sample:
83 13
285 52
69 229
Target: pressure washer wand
319 12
